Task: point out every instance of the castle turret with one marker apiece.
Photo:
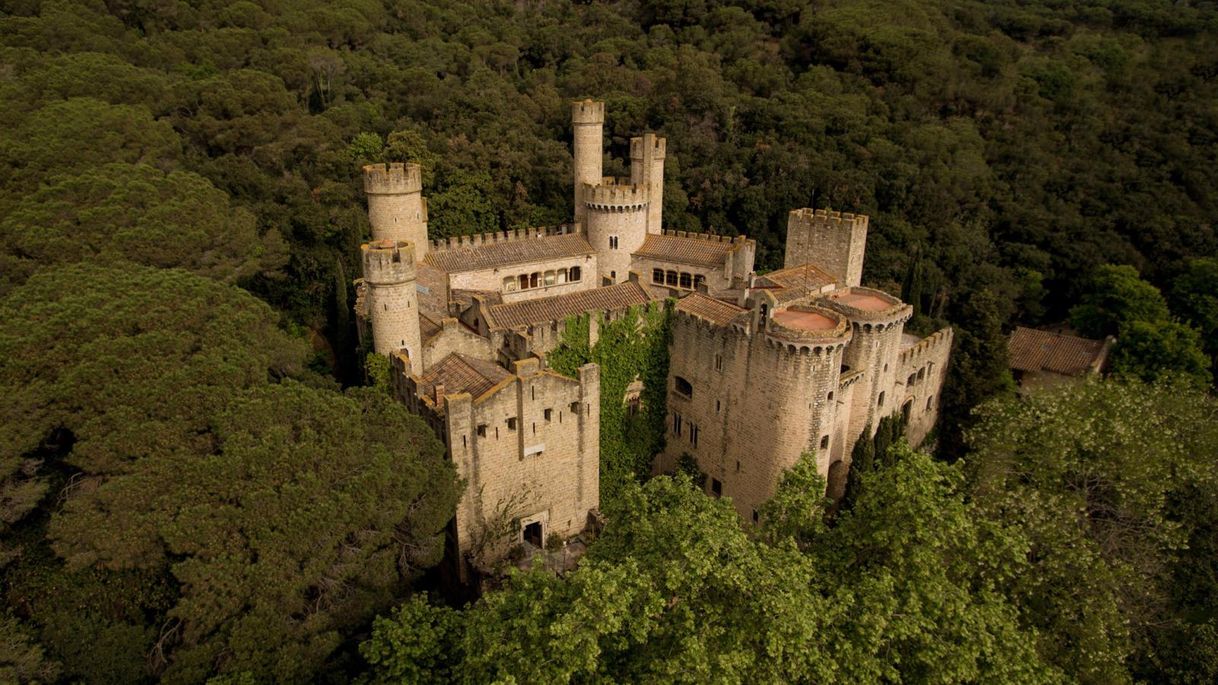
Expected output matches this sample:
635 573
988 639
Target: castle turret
588 120
647 171
392 301
616 220
396 207
878 320
833 241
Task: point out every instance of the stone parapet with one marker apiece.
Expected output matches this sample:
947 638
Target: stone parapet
619 198
928 346
456 242
868 307
393 179
388 262
587 112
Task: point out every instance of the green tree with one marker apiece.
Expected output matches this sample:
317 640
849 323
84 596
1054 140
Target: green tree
1194 297
21 659
141 214
1117 296
1152 350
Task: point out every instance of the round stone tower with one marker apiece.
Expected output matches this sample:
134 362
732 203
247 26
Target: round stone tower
391 299
878 321
588 120
396 208
615 217
647 170
804 345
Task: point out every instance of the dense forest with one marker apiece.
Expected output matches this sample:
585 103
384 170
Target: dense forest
197 483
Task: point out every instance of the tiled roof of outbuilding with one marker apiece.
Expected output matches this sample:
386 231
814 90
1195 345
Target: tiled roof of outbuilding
1033 350
795 282
459 373
509 252
613 297
715 311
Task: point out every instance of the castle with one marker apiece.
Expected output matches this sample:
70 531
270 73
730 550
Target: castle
763 368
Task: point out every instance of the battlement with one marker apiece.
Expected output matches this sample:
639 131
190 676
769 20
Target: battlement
807 216
927 346
393 179
807 327
868 305
476 240
638 146
388 262
616 197
710 237
588 112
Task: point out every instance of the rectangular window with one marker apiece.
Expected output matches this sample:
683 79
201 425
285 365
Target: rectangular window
824 442
482 430
511 424
683 387
717 406
612 242
562 275
880 402
687 281
718 362
693 435
716 487
549 414
573 274
657 276
676 424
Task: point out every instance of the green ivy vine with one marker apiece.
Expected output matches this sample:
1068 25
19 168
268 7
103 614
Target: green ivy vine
633 346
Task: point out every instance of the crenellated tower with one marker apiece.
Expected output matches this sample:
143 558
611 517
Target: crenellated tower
396 207
588 120
832 241
616 219
392 300
647 171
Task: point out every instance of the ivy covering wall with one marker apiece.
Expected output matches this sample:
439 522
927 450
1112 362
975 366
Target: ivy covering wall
634 346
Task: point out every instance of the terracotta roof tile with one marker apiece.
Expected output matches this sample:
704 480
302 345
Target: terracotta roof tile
508 252
613 297
1033 350
459 373
686 250
796 282
715 311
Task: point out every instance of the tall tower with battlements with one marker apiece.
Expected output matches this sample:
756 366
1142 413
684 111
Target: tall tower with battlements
392 300
833 241
588 120
647 171
396 207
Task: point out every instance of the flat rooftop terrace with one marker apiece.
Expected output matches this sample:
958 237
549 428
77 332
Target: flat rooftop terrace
803 320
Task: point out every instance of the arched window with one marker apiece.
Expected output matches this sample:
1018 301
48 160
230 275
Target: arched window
550 278
671 278
535 279
699 279
687 281
824 442
684 387
880 402
562 275
573 274
524 281
509 284
657 276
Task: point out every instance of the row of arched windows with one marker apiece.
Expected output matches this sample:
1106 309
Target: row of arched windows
676 279
539 279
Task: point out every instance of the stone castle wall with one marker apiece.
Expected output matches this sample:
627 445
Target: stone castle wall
919 382
543 469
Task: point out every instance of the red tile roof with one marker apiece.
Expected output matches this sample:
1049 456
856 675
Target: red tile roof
509 252
557 307
686 250
715 311
795 283
1033 350
459 373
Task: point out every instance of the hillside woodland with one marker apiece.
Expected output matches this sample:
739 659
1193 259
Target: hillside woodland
197 481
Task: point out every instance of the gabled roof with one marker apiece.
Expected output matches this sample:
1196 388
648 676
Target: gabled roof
715 311
459 373
701 251
542 310
508 252
1033 350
